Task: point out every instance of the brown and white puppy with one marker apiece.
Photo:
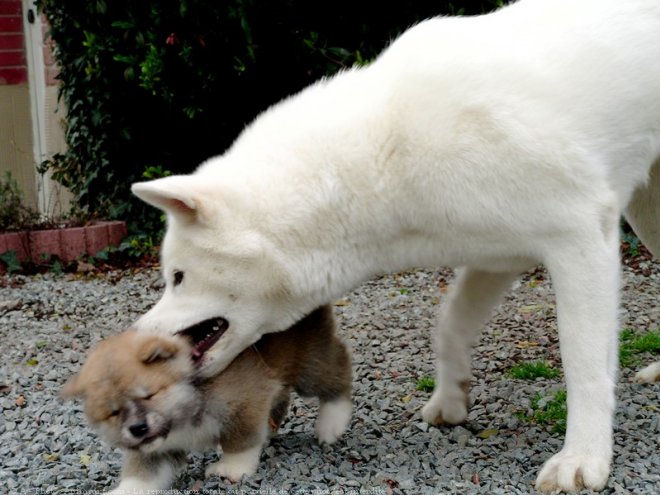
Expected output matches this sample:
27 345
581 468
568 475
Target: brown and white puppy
142 394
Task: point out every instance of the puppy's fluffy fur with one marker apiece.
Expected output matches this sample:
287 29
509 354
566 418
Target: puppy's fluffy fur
141 394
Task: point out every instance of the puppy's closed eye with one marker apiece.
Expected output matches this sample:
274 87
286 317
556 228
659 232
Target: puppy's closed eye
144 393
114 413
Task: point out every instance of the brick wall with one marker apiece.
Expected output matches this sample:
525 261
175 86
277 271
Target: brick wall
13 65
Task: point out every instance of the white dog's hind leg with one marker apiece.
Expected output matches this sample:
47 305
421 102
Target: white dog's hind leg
586 276
649 374
468 305
643 212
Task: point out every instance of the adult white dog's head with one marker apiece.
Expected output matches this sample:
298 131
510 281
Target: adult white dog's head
225 285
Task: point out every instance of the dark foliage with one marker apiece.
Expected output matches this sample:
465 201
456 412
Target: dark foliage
153 87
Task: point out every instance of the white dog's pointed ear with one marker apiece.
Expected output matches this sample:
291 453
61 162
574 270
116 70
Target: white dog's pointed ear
176 194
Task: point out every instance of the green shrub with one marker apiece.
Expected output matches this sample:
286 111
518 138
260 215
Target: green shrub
14 215
166 84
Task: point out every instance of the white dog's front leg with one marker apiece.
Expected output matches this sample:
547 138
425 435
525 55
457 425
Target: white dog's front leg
586 278
473 297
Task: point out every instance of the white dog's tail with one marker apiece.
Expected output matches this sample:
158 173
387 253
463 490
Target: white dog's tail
643 212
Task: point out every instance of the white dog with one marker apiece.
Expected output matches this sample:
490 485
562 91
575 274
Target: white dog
493 143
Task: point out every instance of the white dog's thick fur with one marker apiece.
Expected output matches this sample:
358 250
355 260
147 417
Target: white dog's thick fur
494 143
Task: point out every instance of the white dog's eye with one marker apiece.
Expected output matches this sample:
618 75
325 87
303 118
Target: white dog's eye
178 277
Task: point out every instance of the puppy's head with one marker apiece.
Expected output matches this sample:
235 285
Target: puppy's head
137 388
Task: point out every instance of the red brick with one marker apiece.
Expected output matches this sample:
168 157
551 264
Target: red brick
11 41
97 238
12 58
15 75
73 243
44 242
10 7
11 24
116 232
18 241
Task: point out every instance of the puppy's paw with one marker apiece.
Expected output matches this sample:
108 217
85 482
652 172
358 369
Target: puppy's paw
234 466
447 406
649 374
573 472
333 420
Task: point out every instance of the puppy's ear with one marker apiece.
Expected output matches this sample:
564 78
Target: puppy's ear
72 388
157 349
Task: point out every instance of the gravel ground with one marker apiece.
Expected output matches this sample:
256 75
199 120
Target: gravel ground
48 322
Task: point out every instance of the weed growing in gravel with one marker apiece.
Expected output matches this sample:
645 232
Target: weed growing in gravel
426 384
532 370
548 411
11 262
633 344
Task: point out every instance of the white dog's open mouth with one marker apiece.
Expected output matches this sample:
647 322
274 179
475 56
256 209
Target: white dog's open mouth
204 335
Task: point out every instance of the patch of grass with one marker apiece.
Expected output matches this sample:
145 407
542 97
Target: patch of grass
632 345
426 384
533 369
548 411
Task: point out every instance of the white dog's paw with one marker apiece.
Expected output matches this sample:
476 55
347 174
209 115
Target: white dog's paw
333 420
649 374
447 407
572 472
235 466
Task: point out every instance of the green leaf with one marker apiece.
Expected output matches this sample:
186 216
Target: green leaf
10 259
